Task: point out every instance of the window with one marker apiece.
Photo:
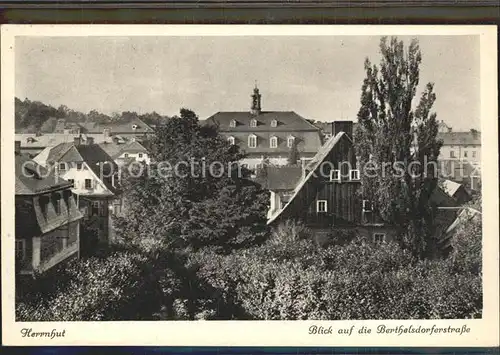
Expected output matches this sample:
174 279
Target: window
321 206
56 200
230 140
252 141
20 249
125 155
140 155
354 175
273 142
465 154
334 175
134 127
79 166
72 181
95 208
379 237
88 183
274 123
62 166
474 154
253 123
232 123
452 154
290 141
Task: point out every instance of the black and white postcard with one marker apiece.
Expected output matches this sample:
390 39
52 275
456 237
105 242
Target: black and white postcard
250 185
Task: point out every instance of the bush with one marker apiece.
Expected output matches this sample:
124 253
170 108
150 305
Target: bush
297 280
120 287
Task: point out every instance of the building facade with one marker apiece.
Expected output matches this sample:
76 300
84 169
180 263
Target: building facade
268 135
95 179
47 218
328 197
460 157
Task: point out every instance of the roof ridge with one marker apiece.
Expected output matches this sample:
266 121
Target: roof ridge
322 154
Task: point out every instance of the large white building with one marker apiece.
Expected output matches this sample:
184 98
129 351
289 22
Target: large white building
268 135
460 155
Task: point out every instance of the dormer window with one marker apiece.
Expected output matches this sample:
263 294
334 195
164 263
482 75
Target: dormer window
253 122
252 141
273 143
290 141
231 140
62 166
274 123
232 123
354 175
334 175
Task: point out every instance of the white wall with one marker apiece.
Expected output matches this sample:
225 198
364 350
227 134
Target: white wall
79 176
143 158
473 152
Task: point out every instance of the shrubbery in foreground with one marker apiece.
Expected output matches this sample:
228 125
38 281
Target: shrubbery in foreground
295 279
286 278
118 287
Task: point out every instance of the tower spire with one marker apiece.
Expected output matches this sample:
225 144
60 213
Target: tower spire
256 101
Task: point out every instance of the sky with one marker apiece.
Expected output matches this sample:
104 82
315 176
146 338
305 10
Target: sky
318 77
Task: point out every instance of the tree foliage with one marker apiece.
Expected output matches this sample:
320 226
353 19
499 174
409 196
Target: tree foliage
195 194
35 116
401 142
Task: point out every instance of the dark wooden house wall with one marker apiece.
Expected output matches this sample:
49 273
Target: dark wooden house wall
344 204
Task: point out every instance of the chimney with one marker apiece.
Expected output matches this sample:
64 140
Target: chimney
17 147
77 140
342 126
90 140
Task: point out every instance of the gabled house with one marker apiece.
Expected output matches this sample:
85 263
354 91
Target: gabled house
328 195
268 135
126 152
95 179
46 215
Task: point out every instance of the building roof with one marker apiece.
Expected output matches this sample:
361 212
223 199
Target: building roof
450 187
115 150
92 154
281 178
33 179
33 141
286 121
460 138
311 170
117 127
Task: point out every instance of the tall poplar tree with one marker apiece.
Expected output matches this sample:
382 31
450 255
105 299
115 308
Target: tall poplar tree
397 144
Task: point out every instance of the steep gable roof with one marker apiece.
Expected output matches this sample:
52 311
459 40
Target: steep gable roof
92 154
33 179
287 120
115 150
311 170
